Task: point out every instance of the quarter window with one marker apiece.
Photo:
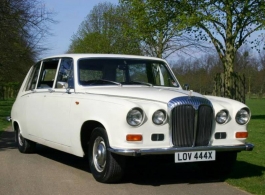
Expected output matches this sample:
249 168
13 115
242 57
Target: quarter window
33 77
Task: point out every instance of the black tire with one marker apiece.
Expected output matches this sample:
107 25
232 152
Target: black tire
222 166
105 166
24 145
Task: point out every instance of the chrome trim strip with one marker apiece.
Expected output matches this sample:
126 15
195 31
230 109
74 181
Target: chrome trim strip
172 150
189 100
195 127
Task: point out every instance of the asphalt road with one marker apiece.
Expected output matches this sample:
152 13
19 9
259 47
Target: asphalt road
52 172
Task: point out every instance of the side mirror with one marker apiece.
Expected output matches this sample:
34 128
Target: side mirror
186 86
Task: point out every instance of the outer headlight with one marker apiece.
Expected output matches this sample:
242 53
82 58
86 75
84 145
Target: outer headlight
242 116
135 117
222 116
159 117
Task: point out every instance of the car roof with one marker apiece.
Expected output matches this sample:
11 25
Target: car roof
77 56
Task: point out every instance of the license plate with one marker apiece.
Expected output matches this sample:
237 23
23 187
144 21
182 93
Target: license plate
181 157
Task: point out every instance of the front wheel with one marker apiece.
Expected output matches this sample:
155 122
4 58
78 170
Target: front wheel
24 145
105 166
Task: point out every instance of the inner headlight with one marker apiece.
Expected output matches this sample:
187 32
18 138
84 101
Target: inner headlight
135 117
159 117
222 116
242 116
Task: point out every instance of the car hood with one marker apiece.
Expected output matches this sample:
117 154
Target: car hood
160 94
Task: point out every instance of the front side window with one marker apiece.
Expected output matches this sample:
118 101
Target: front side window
65 78
111 71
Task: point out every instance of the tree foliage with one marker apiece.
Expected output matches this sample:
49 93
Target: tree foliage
227 25
159 26
199 73
103 31
224 23
23 24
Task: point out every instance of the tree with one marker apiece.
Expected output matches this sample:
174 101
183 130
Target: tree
227 25
23 24
198 73
103 32
159 26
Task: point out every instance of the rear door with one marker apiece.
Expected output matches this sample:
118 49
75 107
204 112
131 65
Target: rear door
56 106
40 86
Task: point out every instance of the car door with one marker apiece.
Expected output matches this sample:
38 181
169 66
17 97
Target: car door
29 104
56 106
34 94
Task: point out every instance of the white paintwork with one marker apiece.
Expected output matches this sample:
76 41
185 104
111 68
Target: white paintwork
55 118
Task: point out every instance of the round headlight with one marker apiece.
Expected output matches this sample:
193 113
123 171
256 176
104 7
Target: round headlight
242 116
159 117
222 116
135 117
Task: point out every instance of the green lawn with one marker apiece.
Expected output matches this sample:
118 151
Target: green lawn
5 108
249 171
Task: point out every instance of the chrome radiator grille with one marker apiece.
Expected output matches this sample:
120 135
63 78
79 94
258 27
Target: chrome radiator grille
191 121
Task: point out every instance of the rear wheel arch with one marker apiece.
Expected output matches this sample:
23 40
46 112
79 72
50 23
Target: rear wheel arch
15 125
24 145
15 128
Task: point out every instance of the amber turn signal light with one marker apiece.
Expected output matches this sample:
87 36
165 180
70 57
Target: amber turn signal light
241 134
133 137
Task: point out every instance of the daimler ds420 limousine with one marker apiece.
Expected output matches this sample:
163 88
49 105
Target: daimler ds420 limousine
107 107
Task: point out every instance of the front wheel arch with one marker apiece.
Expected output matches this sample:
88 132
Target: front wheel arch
86 131
105 166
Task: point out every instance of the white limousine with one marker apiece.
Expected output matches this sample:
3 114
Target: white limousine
107 107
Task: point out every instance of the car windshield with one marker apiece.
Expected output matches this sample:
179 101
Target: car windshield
111 71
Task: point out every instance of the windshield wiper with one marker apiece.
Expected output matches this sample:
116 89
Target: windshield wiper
144 83
107 81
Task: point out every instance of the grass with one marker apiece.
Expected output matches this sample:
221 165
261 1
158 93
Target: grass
5 109
249 171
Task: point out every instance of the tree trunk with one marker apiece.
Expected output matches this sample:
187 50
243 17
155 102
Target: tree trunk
228 64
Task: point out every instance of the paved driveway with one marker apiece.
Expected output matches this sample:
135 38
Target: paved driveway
53 172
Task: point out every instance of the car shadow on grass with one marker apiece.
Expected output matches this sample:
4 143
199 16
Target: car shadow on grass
143 171
258 117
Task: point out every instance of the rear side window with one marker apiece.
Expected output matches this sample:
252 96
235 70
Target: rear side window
47 74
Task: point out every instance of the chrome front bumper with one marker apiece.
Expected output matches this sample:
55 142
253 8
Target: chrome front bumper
172 150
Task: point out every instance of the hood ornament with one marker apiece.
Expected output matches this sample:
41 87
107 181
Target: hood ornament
190 93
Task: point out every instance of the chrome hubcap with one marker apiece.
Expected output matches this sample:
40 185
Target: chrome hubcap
20 138
99 154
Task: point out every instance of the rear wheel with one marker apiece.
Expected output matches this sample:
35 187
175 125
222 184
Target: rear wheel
105 166
222 166
24 145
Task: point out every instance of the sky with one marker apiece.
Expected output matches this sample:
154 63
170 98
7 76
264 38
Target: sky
69 14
